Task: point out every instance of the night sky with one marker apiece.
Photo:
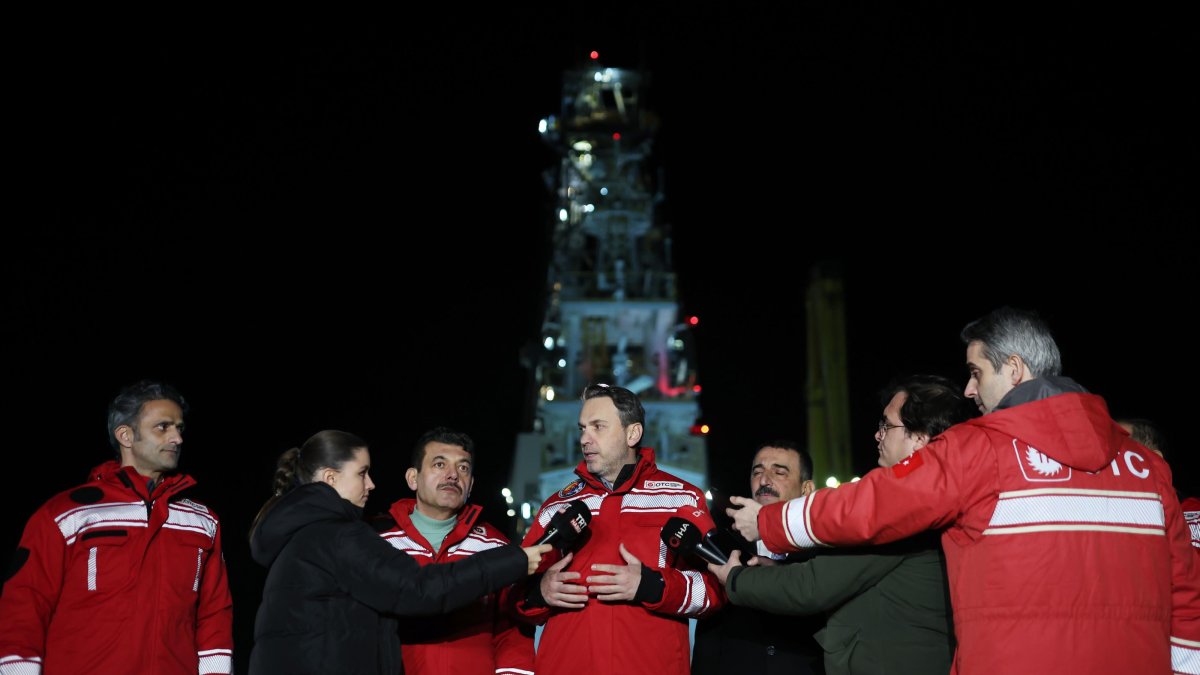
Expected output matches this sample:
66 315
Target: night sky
306 228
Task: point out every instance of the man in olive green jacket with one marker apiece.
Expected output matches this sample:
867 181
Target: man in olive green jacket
888 606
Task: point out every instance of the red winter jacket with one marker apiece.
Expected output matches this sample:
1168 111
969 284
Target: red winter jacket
624 638
110 579
1065 547
475 640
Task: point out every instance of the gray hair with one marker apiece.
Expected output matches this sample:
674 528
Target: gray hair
1007 331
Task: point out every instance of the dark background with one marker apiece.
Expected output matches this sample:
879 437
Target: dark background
307 228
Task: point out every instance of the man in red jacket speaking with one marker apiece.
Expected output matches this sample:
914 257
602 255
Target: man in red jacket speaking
619 602
1065 547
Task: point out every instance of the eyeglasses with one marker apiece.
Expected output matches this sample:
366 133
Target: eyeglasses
884 427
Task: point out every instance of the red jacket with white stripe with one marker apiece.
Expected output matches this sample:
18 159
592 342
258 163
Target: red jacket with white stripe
1065 547
112 580
1191 515
475 640
623 637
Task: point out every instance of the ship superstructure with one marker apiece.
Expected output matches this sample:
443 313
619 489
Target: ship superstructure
611 311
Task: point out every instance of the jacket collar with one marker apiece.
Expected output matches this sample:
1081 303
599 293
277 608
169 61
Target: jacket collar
629 476
127 477
1038 389
401 511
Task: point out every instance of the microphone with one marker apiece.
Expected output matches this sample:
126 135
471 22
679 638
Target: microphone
566 525
683 535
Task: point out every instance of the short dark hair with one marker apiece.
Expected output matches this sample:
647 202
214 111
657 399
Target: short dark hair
441 435
1007 331
1147 433
126 408
629 406
806 463
932 405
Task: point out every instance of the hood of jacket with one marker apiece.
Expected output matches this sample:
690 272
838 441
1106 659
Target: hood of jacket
304 506
1058 418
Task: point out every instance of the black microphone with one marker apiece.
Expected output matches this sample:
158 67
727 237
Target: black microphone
683 535
566 525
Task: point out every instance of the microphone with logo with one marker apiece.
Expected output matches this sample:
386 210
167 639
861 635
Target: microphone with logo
685 533
566 525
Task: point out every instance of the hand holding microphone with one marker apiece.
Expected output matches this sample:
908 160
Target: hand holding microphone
534 554
691 531
559 588
566 525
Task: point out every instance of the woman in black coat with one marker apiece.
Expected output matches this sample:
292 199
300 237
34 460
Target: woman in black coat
332 578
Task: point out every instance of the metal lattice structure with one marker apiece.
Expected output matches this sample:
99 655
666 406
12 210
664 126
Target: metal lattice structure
611 312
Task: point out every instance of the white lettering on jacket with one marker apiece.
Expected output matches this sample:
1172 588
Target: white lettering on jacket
1140 471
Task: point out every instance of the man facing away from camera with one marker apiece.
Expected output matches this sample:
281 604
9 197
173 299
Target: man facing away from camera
1066 550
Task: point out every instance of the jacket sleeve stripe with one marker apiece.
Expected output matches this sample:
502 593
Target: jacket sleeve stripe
216 661
797 523
1185 656
20 665
695 599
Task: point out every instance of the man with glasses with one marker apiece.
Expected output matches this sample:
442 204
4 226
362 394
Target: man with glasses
618 603
887 605
1066 550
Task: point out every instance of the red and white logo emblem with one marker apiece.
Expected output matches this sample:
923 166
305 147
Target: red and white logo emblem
573 488
1037 467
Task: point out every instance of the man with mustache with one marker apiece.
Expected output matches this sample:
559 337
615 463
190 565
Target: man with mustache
438 526
743 639
618 602
1065 544
888 607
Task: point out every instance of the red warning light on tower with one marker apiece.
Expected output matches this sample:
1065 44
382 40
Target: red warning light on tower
693 320
616 135
595 55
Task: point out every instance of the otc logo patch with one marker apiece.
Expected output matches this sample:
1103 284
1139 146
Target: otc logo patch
1038 468
573 488
662 484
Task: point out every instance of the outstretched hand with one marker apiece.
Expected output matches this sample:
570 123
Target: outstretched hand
535 553
722 571
745 517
